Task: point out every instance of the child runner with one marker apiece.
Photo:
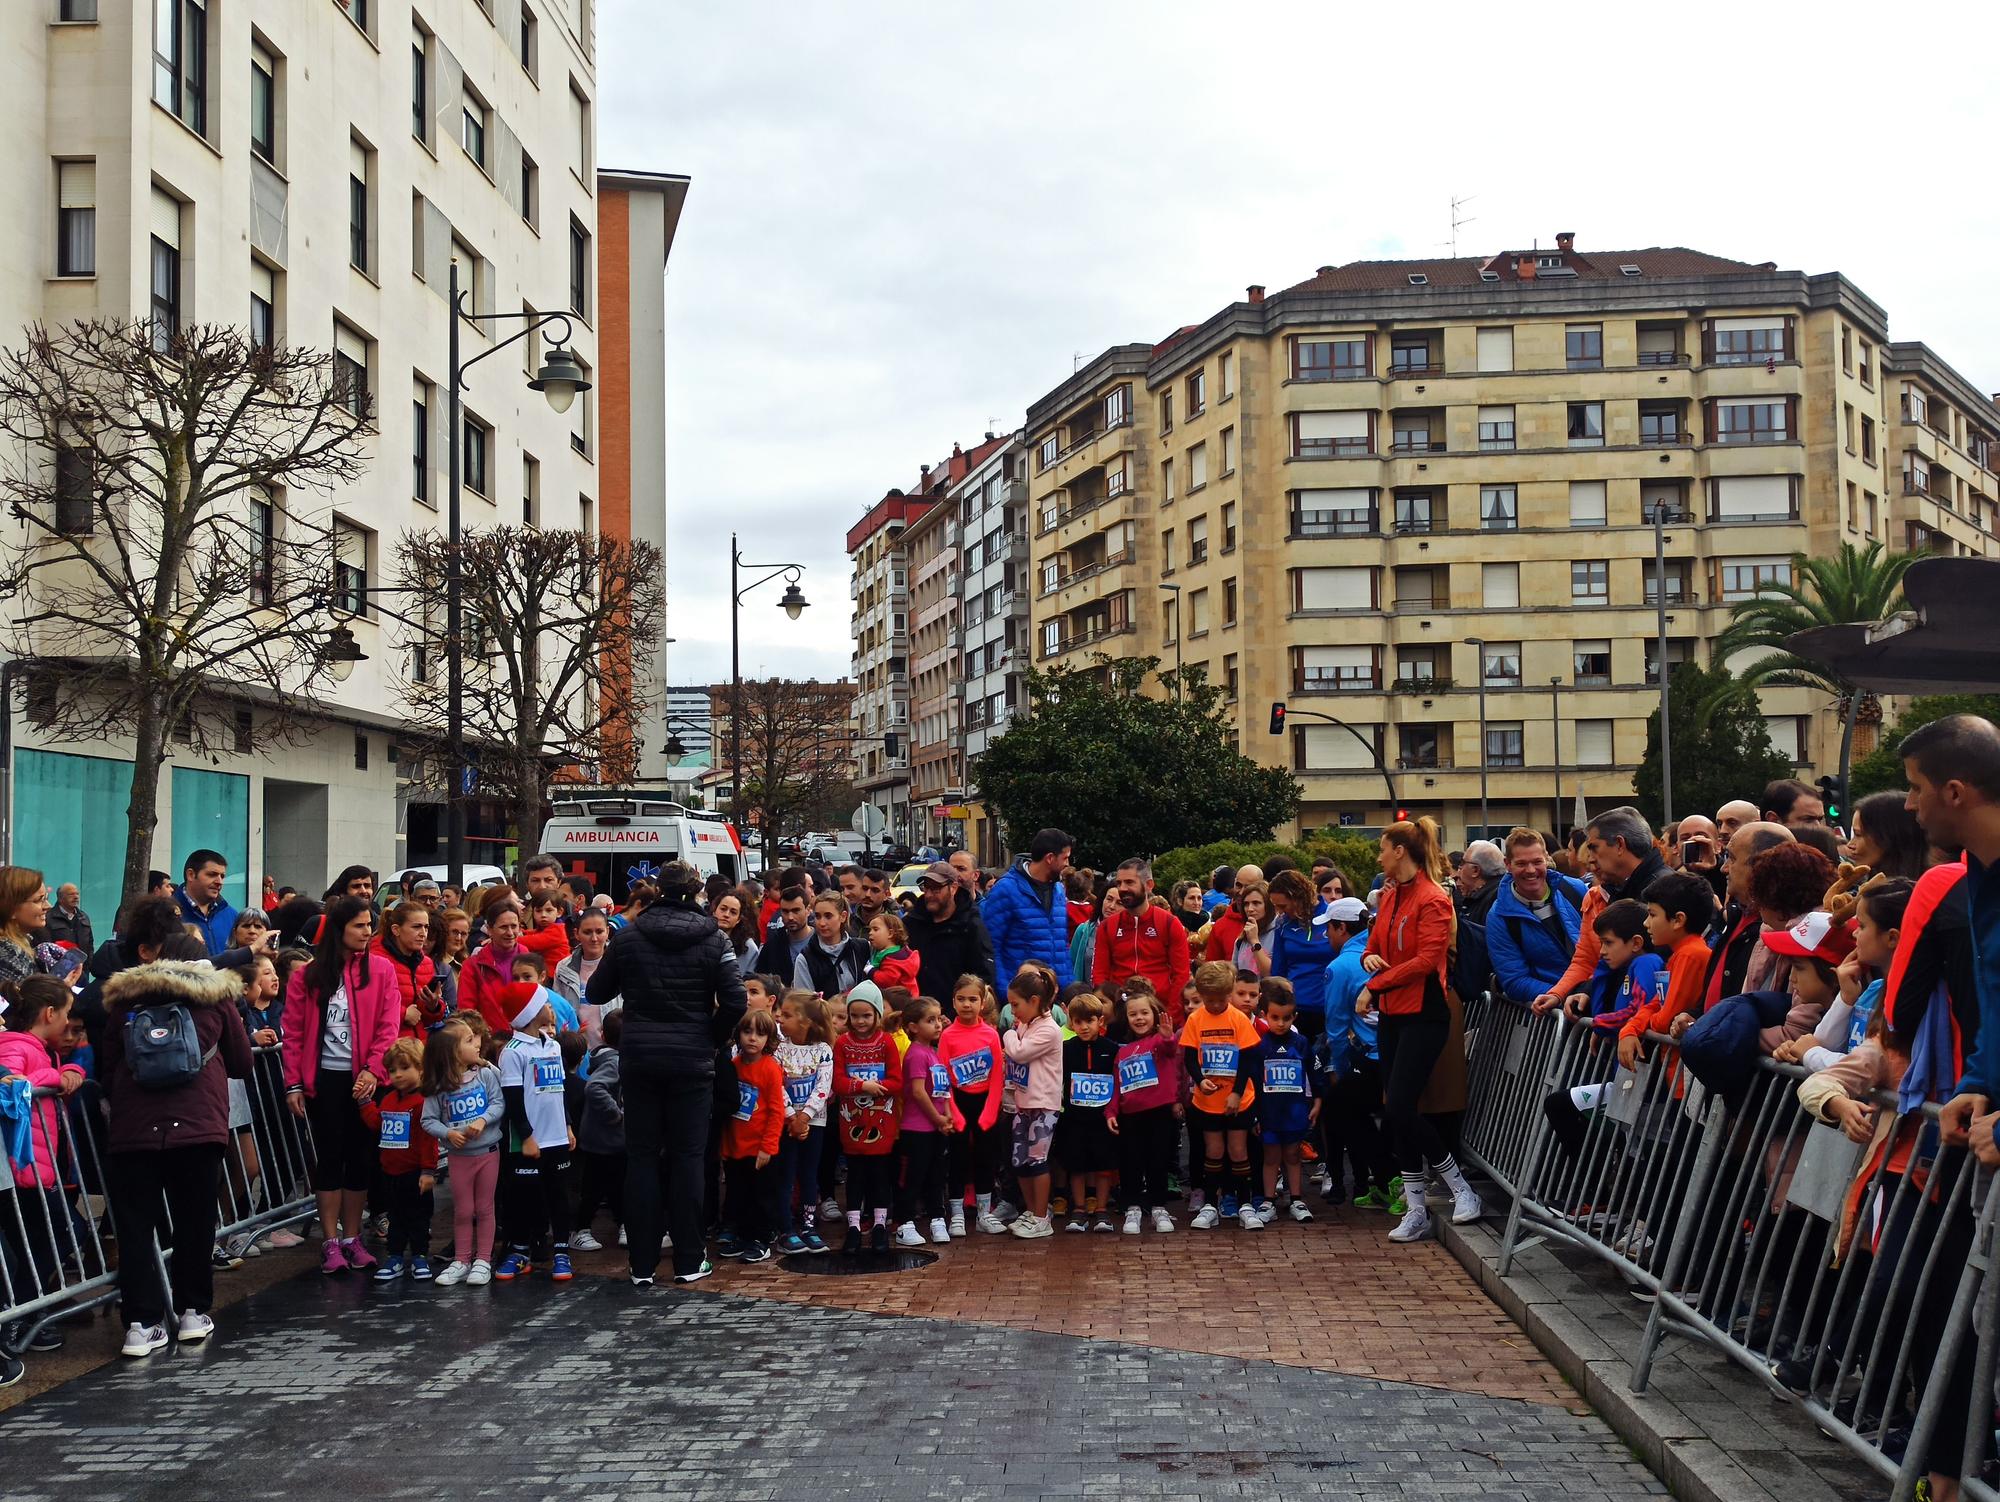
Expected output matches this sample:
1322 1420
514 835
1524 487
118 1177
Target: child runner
1289 1102
1146 1109
531 1078
868 1083
1033 1082
970 1050
749 1216
1216 1046
409 1163
926 1126
463 1108
805 1054
1084 1147
600 1138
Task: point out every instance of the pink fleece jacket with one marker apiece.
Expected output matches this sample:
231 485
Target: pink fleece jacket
1036 1045
375 1011
26 1055
966 1040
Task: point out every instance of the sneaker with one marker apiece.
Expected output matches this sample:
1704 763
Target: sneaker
756 1251
1398 1204
241 1246
390 1271
284 1238
1134 1217
514 1265
452 1275
697 1275
1162 1222
907 1234
45 1339
1374 1197
957 1222
1266 1211
1249 1219
1206 1219
829 1210
1634 1242
642 1281
1103 1223
878 1238
816 1243
1299 1211
1059 1204
1230 1207
1466 1206
583 1241
991 1224
1076 1224
12 1369
481 1274
729 1244
1415 1224
332 1259
143 1340
940 1233
420 1269
621 1242
195 1327
559 1269
358 1256
222 1261
851 1244
790 1246
1033 1227
1004 1211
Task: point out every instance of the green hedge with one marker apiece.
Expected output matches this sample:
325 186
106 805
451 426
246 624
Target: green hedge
1356 857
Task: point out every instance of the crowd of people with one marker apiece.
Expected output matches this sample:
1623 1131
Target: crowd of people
742 1070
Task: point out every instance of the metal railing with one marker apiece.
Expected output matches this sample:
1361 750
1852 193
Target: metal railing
1850 1279
61 1251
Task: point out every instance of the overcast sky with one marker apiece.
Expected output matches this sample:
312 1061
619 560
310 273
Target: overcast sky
906 220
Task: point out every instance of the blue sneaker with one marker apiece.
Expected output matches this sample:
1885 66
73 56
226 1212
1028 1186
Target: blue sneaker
517 1265
420 1269
390 1271
559 1269
1229 1207
815 1243
729 1244
792 1245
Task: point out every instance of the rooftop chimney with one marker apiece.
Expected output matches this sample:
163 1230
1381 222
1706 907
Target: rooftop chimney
1565 239
923 478
1256 291
1326 270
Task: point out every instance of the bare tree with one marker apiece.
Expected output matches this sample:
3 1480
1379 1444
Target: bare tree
798 750
163 579
554 622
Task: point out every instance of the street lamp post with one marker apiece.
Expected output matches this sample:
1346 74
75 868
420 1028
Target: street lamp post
1478 645
1556 751
559 379
1179 634
1666 724
792 602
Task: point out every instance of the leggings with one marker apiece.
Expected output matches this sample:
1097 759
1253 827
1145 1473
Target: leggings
798 1175
538 1198
1411 1045
976 1152
921 1193
474 1179
1146 1143
871 1183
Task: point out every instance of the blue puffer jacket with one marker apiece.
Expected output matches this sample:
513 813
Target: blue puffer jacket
1300 953
1023 927
1525 958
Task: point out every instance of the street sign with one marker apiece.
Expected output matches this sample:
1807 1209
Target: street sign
1350 821
868 821
468 779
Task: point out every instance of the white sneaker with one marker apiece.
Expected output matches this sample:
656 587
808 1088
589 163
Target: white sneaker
941 1233
991 1224
452 1275
1206 1218
1415 1224
1004 1211
1299 1211
480 1275
1162 1222
958 1221
1033 1227
143 1340
583 1241
1466 1206
1249 1219
621 1236
1133 1218
195 1327
908 1235
829 1210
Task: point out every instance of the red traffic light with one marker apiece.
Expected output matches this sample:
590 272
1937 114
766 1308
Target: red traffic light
1402 816
1278 719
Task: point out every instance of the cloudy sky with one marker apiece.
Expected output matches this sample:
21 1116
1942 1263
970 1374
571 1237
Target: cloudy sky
907 220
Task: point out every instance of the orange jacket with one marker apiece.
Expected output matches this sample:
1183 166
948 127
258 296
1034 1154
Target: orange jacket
1412 931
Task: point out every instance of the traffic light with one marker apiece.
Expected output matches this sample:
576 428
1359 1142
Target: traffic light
1402 816
1278 718
1830 794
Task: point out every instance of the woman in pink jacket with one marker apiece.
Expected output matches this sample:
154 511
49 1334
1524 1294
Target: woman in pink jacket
341 1015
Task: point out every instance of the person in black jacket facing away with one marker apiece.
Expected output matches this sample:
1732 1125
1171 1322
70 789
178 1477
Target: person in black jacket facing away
682 998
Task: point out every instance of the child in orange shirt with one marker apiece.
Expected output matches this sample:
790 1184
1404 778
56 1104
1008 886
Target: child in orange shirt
749 1206
1678 907
1217 1046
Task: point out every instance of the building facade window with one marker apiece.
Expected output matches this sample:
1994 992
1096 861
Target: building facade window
76 218
1329 359
1496 428
180 61
1583 346
420 88
1586 503
164 297
472 128
1500 664
351 546
531 491
1590 583
1197 393
1586 425
1499 508
350 370
263 103
579 269
360 180
1591 662
263 306
476 444
420 444
1503 745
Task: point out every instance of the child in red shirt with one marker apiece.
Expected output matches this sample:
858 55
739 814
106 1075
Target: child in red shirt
749 1212
546 935
868 1084
409 1163
891 961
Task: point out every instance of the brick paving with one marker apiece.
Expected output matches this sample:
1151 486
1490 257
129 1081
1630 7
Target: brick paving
319 1388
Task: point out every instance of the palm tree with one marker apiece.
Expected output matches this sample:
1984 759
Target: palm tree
1854 586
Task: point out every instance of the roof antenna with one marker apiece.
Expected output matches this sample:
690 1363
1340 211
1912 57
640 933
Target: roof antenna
1076 362
1459 220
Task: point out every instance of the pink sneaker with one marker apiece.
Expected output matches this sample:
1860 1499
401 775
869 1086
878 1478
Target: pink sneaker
358 1256
332 1259
284 1237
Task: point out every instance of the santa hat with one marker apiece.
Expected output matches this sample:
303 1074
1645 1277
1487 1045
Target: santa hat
522 1001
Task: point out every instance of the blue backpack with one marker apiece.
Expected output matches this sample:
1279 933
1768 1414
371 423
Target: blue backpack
162 1049
1721 1049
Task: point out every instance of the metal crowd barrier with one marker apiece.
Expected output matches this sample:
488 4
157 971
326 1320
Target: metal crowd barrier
1755 1230
58 1250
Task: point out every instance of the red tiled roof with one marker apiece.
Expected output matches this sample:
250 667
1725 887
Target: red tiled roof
1600 265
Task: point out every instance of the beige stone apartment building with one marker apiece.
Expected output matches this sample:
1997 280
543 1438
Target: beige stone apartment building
1380 490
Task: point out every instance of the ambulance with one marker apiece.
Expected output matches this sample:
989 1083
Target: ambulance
613 841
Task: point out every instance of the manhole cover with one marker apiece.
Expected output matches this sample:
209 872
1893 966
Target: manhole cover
860 1265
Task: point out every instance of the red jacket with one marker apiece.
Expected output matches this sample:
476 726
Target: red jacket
868 1124
1413 933
551 943
482 980
896 968
411 979
421 1156
1150 943
1223 934
760 1084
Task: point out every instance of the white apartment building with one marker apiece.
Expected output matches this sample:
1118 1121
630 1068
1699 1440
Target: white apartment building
992 506
312 169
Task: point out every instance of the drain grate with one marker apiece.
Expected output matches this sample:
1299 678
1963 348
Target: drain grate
860 1265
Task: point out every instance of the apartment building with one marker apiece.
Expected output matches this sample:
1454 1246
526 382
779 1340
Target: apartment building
1389 487
880 588
313 170
936 680
991 503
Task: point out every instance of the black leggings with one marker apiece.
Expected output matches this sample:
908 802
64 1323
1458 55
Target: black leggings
975 1154
921 1193
1146 1143
1410 1046
871 1182
344 1154
536 1193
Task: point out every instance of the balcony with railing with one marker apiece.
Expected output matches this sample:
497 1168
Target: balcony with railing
1418 511
1663 425
1340 679
1417 430
1421 589
1355 521
1416 354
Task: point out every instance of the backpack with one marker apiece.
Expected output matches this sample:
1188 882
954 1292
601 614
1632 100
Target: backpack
1721 1048
162 1049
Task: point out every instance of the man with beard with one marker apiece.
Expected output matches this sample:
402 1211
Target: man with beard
1141 939
946 932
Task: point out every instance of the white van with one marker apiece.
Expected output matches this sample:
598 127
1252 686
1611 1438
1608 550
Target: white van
615 841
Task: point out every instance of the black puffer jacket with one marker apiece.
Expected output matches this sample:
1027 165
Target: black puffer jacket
682 992
950 947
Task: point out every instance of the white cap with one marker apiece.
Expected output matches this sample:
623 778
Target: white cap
1349 910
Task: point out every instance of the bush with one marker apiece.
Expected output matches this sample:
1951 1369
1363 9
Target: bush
1356 857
